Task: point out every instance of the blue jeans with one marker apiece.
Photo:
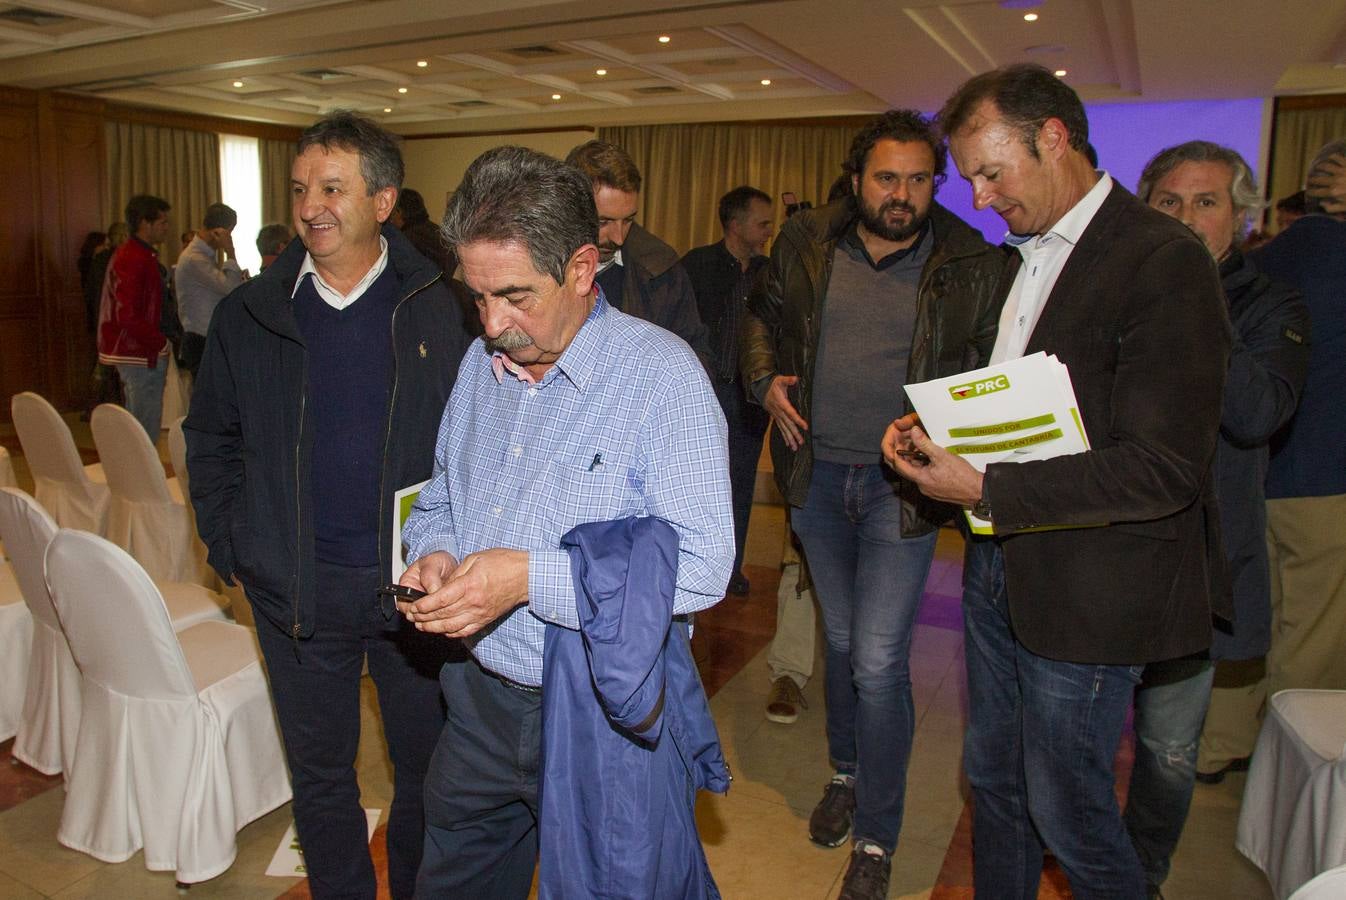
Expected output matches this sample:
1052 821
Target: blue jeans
1170 709
869 581
144 394
1040 743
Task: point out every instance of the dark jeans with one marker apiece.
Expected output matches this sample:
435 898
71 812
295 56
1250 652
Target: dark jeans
869 581
481 797
747 425
1170 709
1040 743
316 687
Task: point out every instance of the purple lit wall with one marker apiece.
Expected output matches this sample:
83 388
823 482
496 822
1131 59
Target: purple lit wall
1126 135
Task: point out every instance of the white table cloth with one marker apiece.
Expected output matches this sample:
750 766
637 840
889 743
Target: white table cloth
1293 821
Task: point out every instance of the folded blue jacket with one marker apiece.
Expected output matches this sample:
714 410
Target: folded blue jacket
627 737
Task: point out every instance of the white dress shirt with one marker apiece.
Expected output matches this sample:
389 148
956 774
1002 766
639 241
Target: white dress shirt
330 295
1044 256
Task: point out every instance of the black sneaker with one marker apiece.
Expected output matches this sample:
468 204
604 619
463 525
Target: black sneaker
830 822
867 875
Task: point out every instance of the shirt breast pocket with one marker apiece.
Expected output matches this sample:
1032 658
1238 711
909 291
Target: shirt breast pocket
594 490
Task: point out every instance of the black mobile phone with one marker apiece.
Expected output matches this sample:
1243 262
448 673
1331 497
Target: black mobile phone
401 592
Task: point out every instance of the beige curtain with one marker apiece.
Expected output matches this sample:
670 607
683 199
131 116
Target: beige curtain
181 166
687 168
276 158
1300 133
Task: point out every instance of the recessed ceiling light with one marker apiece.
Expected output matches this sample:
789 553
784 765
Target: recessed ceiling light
664 39
766 82
401 90
600 71
238 84
1030 17
556 96
1060 73
422 63
387 109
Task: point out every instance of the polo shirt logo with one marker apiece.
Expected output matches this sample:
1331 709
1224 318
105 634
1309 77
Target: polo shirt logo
420 348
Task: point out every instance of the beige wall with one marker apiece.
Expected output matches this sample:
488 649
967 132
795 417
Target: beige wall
436 165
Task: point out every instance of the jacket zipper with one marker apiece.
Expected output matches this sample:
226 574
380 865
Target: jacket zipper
299 506
388 429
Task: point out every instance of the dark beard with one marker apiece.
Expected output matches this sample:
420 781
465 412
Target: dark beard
875 223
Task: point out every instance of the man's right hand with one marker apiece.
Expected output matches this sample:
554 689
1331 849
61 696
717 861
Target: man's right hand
427 574
789 422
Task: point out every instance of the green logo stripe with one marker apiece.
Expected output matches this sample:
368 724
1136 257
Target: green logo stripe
1041 437
1003 427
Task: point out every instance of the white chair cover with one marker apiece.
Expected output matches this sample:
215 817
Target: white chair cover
7 470
46 730
16 641
1331 885
178 747
147 517
76 495
1293 821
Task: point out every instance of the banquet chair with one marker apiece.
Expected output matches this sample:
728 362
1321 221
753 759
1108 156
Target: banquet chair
1330 885
76 495
147 517
178 747
16 640
49 721
1292 823
239 607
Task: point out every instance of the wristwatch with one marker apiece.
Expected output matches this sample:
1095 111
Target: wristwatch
982 508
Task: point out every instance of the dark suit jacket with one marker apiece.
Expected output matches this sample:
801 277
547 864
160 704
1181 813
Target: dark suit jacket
1138 316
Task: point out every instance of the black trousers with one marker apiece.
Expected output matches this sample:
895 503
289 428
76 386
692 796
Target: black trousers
747 424
316 687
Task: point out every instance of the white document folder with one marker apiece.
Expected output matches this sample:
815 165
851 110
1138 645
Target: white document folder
1015 411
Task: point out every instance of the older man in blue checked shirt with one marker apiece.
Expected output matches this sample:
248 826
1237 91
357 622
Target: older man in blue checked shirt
566 411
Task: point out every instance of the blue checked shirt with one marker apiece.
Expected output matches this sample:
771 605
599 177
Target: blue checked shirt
624 424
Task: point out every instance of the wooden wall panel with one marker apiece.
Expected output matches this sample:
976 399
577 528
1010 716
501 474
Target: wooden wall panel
71 133
21 301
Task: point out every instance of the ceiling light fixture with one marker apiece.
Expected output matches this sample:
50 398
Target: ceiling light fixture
664 39
422 63
1030 17
556 96
1060 73
600 71
401 90
238 84
387 109
766 82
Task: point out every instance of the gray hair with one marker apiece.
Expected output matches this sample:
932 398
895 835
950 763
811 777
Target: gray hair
1331 148
516 195
1243 192
380 156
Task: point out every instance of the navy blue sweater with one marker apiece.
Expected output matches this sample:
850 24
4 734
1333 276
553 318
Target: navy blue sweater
350 373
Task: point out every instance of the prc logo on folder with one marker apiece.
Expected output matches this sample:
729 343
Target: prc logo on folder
979 388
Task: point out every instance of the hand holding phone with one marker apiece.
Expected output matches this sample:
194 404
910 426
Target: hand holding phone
401 592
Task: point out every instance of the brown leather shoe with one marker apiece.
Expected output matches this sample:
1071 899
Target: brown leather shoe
783 704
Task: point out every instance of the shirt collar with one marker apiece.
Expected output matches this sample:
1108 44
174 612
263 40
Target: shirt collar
578 362
308 268
856 243
1072 225
615 261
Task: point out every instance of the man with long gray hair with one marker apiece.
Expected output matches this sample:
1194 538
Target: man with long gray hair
566 411
1211 190
1305 489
